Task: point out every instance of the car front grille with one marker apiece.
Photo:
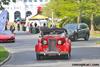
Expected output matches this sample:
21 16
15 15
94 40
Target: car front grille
52 45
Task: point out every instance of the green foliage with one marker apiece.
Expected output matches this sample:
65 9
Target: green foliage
1 8
61 8
14 0
6 2
73 8
97 22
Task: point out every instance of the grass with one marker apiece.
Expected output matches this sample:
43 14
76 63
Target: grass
97 35
94 34
98 42
3 53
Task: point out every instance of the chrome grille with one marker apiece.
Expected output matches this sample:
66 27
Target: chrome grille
52 45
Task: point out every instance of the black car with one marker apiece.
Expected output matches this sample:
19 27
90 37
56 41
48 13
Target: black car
76 31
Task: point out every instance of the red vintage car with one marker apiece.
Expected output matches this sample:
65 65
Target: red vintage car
7 36
54 42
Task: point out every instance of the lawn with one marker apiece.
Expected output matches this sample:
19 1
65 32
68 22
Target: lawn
3 53
98 42
96 34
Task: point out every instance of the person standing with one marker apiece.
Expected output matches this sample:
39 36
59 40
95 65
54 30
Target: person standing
12 28
18 19
18 26
31 28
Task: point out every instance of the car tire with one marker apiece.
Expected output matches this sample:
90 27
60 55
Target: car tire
13 41
39 56
75 37
66 56
69 55
86 37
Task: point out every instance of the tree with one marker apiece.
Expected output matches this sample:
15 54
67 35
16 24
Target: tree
62 9
6 2
73 8
91 10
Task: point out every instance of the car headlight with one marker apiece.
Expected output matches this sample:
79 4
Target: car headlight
59 42
44 42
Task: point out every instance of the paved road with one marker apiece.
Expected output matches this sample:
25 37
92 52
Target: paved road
23 55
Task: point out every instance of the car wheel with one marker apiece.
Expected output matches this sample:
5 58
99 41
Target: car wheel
13 41
86 37
39 56
69 55
65 56
75 37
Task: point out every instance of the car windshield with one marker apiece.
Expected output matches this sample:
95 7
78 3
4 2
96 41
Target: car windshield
55 32
5 32
71 27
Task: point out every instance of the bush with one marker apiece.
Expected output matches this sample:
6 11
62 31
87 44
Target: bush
97 23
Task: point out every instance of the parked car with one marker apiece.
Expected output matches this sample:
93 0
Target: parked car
53 43
7 36
76 31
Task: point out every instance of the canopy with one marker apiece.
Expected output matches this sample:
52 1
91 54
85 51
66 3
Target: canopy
38 17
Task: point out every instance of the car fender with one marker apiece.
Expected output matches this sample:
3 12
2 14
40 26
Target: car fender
38 47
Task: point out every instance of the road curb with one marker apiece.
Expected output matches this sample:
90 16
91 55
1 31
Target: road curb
7 59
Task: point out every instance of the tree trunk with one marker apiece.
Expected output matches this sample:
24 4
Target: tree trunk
91 22
79 17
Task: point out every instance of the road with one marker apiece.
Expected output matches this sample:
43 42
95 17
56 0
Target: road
85 53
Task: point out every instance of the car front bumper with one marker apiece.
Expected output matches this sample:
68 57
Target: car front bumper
52 53
7 40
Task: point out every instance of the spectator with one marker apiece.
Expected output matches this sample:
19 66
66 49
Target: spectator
12 28
18 26
31 28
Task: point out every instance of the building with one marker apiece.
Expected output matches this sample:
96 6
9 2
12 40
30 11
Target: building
23 8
